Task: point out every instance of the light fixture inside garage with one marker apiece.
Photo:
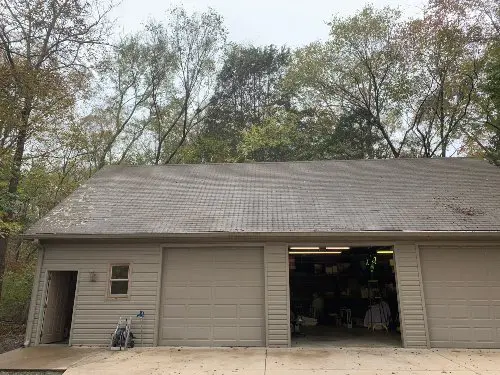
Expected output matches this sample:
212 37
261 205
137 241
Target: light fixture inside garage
302 252
301 248
385 251
337 248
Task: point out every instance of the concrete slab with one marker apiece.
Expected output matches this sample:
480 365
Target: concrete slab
253 361
295 361
476 360
175 361
358 359
44 357
366 372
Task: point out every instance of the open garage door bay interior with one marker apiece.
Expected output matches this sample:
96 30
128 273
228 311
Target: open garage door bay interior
343 296
213 297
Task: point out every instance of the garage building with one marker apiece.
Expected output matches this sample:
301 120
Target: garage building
275 254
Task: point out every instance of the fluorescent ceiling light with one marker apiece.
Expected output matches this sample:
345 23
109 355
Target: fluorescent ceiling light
304 248
385 251
337 247
315 252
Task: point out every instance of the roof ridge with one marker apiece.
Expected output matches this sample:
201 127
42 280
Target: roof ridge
298 162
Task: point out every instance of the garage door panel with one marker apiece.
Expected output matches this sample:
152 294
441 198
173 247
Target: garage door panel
473 272
461 290
236 256
458 311
217 299
225 311
236 292
187 255
440 334
484 334
175 310
194 332
198 311
175 292
480 312
251 310
437 311
198 293
252 333
240 322
196 276
250 275
461 333
174 333
225 333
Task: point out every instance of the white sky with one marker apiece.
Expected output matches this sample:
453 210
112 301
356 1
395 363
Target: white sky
261 22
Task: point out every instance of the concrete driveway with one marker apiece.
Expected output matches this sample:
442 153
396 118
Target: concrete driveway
259 361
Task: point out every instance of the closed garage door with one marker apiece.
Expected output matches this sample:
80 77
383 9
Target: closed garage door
213 297
462 296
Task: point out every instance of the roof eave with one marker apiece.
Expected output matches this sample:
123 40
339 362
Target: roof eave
277 235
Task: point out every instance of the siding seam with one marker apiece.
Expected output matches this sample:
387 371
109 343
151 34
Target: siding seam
159 280
266 292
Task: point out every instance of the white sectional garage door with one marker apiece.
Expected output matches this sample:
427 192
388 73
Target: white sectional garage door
213 297
462 296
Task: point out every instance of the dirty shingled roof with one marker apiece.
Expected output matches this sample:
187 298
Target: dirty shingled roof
451 194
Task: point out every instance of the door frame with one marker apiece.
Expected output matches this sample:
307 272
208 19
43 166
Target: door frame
41 312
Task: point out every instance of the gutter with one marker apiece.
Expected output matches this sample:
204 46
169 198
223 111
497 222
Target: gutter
274 235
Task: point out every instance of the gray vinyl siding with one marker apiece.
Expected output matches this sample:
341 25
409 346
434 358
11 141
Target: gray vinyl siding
95 314
410 294
277 285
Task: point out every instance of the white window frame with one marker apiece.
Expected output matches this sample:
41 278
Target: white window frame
111 280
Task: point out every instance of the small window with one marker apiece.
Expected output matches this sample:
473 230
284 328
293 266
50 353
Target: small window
118 284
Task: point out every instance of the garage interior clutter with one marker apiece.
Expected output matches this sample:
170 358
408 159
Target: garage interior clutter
343 296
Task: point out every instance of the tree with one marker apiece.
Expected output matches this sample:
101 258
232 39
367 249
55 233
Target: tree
44 44
276 139
117 121
180 96
358 70
444 55
248 92
482 138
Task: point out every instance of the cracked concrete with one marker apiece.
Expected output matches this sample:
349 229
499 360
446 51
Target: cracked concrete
262 361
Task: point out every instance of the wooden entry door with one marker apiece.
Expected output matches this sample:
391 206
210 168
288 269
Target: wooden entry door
56 307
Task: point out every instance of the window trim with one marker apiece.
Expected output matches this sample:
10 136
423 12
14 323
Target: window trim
110 280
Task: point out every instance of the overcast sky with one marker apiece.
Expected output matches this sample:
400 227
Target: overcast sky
261 22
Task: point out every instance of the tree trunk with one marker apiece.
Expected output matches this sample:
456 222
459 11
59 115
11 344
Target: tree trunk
15 169
3 253
15 176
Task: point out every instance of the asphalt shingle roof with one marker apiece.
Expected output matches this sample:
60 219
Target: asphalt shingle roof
322 196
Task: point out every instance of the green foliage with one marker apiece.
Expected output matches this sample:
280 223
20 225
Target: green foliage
248 91
276 139
16 293
207 149
492 88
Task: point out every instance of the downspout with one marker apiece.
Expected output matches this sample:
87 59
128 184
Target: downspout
34 292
